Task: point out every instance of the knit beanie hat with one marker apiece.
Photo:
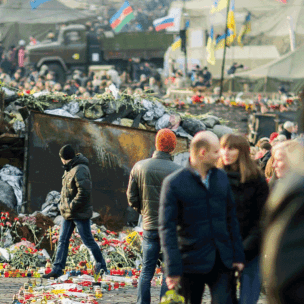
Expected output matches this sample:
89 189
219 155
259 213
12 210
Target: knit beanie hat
67 152
165 140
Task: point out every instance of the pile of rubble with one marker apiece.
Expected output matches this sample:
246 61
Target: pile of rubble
145 111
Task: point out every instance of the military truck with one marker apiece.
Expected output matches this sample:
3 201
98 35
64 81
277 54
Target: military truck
75 48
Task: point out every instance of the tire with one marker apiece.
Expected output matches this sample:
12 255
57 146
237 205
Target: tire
59 72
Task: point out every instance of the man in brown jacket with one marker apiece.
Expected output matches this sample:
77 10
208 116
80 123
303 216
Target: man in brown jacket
143 195
76 209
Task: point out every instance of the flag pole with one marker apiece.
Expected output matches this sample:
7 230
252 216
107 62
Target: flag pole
224 56
185 50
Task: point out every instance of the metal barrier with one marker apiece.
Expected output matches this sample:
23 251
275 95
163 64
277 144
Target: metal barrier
112 151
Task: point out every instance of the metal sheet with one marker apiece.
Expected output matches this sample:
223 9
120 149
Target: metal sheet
112 151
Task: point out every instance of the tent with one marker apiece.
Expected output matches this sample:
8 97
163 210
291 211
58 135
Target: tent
288 70
19 21
269 22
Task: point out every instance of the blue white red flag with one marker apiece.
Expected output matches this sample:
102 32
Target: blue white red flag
163 23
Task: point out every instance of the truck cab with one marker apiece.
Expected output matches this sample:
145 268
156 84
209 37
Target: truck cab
74 48
66 52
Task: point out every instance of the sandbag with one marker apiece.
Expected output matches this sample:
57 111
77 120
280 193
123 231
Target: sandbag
126 122
192 126
162 122
182 133
149 115
94 112
147 104
220 130
110 107
175 121
210 121
159 110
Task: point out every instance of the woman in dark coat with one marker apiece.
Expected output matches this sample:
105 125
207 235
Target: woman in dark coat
250 191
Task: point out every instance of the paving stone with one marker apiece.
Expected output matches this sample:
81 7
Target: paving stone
11 286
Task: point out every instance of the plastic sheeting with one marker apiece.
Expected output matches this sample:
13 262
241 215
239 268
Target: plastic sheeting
59 112
19 126
7 195
163 122
50 208
72 107
13 176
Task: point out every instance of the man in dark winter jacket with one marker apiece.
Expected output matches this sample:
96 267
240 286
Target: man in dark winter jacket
199 230
76 209
143 195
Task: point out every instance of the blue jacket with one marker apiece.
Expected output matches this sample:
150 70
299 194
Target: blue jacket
195 222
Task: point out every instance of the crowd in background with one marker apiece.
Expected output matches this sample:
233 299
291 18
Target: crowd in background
141 77
138 76
274 164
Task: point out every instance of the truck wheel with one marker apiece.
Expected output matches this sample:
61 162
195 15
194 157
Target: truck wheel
59 72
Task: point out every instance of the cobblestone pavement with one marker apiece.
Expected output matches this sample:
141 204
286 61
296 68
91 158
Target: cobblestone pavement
9 287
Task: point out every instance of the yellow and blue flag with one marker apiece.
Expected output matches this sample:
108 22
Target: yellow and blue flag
211 48
246 28
220 40
218 5
176 44
231 24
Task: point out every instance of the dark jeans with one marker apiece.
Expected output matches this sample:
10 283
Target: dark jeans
66 230
251 282
151 249
218 280
250 286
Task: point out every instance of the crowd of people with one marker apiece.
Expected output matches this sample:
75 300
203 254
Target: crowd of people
208 217
142 76
139 76
213 219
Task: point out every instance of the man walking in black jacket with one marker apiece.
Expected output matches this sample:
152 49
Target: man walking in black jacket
143 195
198 227
76 209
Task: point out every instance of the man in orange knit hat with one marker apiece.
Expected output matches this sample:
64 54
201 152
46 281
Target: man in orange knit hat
143 193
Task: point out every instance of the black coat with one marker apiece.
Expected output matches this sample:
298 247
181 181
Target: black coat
75 202
195 222
250 198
